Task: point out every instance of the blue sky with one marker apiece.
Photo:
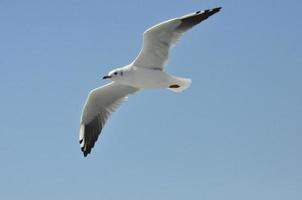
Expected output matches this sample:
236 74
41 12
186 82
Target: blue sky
234 134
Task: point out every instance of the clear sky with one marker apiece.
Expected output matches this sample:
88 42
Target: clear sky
235 134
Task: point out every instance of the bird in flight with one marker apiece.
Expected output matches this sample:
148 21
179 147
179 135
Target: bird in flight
146 71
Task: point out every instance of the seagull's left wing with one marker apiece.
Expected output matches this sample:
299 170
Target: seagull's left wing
161 37
100 103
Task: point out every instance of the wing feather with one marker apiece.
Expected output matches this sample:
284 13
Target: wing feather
100 103
158 39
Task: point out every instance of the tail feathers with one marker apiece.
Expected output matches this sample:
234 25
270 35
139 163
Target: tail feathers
179 84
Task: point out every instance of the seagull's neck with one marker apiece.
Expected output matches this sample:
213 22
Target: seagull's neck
127 67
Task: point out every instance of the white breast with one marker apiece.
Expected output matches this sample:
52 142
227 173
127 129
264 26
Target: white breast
145 78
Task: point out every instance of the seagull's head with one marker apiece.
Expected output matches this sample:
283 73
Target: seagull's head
114 74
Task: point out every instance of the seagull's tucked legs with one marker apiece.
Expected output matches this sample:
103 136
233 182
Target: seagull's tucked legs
146 71
179 84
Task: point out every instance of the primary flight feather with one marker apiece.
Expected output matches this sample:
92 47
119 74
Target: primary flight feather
146 71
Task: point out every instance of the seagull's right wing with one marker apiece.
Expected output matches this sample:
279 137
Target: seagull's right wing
160 38
100 103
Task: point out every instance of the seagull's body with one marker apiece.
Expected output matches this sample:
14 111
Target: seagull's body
146 71
143 78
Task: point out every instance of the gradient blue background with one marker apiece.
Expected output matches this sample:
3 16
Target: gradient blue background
235 134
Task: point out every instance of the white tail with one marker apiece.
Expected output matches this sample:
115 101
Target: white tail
179 84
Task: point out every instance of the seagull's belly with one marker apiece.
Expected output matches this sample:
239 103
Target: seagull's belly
147 78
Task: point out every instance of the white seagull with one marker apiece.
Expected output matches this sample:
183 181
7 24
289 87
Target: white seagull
146 71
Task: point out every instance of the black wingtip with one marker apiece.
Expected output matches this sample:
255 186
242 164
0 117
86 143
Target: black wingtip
217 9
85 152
211 11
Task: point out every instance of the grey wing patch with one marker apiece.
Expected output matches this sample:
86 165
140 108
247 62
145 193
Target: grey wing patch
92 129
100 104
91 135
156 68
188 22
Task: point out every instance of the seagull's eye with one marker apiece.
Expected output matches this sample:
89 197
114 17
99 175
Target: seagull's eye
115 73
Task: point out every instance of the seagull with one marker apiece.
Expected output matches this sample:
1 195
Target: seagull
146 71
